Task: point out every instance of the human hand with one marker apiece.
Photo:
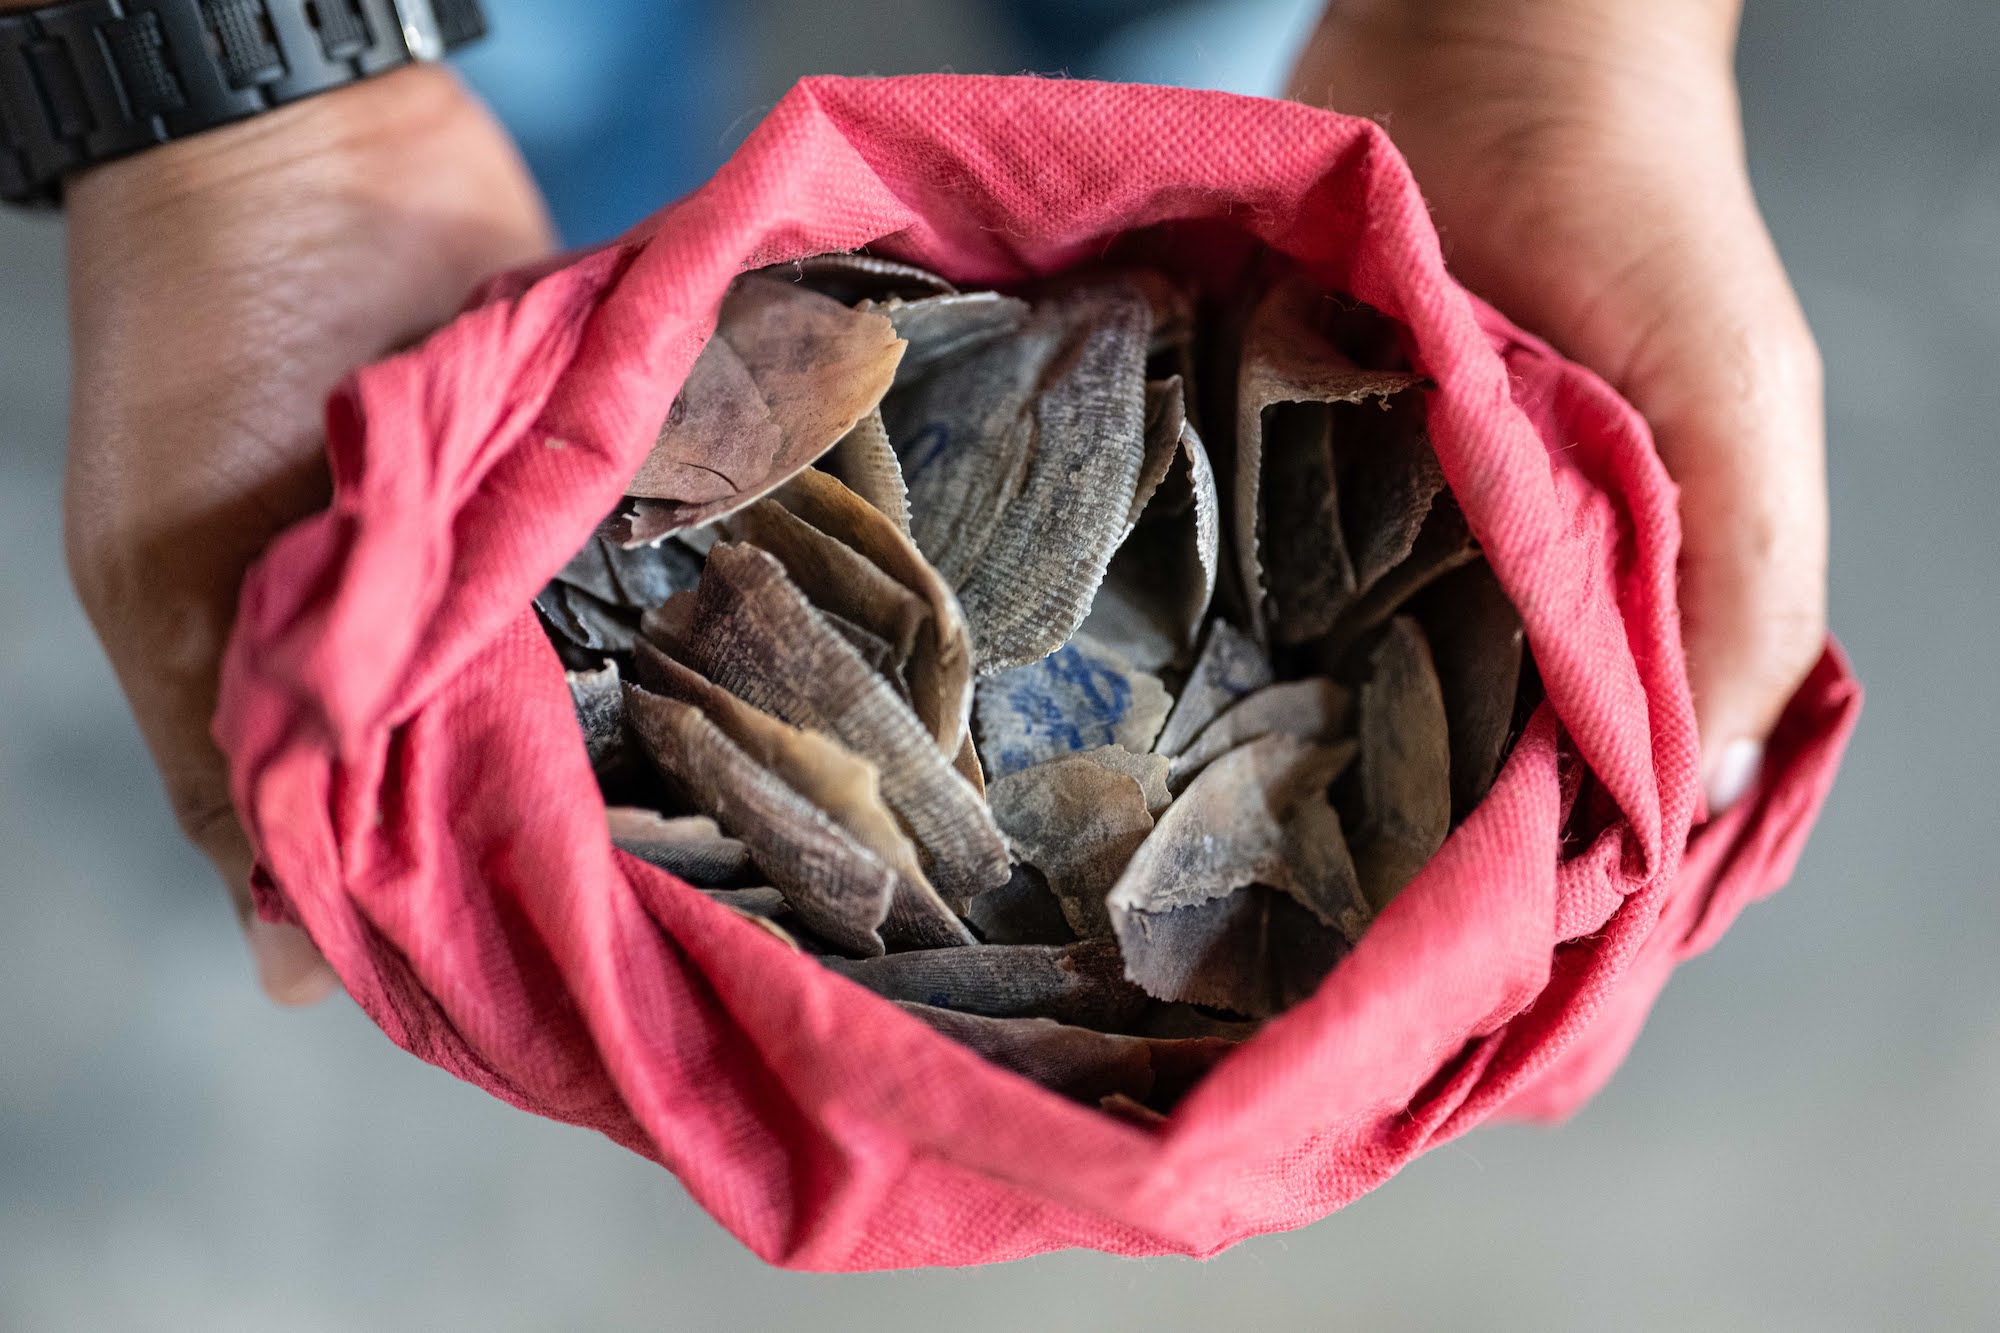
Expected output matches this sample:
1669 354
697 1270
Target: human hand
220 287
1583 160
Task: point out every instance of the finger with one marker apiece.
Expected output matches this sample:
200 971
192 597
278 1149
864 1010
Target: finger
1652 266
157 554
1697 326
1688 313
276 256
290 967
1584 164
1731 383
163 608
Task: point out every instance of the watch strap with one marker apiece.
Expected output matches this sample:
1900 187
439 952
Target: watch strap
88 81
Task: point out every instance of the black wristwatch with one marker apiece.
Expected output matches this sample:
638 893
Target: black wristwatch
91 80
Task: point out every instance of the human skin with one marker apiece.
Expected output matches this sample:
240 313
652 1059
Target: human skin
1584 163
220 287
1583 158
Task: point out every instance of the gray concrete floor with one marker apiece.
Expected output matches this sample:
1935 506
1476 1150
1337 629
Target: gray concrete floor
1806 1137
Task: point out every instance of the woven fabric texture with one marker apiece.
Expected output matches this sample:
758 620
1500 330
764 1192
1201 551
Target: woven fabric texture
404 753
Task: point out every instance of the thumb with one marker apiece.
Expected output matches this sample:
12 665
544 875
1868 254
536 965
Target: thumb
290 967
1730 379
1585 165
162 605
219 289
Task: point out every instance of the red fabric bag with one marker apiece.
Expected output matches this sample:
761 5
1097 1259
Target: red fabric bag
406 759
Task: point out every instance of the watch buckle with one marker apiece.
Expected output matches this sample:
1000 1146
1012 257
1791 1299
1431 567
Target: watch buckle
422 37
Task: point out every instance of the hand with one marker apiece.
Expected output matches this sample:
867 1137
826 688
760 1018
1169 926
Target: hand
219 288
1584 162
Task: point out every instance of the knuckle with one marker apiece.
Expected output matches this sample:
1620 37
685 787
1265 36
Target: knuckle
1806 354
1788 623
1751 646
1784 349
91 571
206 817
1800 635
1778 653
117 578
1787 643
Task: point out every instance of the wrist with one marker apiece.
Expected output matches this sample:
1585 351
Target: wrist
406 172
269 257
1474 88
1541 28
350 139
1606 62
88 82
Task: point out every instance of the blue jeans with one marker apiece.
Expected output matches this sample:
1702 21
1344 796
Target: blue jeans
618 105
623 105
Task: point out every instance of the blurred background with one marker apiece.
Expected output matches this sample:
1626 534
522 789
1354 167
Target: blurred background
1806 1137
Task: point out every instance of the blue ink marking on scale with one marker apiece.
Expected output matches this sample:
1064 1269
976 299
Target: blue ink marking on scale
939 999
1108 694
926 447
1042 697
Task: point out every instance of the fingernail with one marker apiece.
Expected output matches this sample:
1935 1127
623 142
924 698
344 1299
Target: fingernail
290 967
1735 773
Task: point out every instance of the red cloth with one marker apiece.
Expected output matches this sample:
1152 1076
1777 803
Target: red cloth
406 760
